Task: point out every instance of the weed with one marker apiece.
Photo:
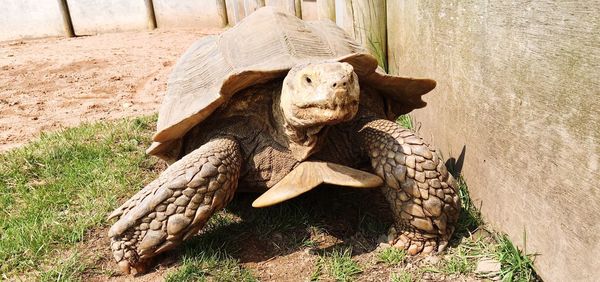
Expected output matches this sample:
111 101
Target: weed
391 256
338 264
401 277
405 121
516 266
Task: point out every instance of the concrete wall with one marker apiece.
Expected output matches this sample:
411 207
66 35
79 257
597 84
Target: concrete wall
190 13
518 93
98 16
30 18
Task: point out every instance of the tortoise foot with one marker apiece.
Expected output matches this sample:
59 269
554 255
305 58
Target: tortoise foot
416 243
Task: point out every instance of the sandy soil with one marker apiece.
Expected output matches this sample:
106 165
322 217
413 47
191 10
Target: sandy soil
52 83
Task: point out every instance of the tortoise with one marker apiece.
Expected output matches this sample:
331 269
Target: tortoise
278 105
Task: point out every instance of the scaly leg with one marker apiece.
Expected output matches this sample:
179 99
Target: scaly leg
175 206
418 187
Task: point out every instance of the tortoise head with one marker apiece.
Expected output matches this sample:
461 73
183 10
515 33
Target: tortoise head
318 94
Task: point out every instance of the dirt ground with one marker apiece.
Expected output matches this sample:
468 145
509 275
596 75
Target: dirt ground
52 83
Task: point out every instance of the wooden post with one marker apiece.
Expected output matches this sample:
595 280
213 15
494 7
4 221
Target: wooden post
150 14
66 17
298 8
366 21
326 9
222 10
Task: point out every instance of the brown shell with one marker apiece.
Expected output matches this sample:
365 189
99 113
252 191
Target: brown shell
262 47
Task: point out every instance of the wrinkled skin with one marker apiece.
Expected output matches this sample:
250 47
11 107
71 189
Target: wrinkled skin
318 112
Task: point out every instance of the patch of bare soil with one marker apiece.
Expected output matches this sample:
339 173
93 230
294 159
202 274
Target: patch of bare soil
52 83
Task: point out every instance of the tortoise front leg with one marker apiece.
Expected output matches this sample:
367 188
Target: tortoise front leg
175 206
417 185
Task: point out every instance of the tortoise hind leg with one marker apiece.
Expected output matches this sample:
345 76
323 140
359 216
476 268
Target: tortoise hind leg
421 193
175 206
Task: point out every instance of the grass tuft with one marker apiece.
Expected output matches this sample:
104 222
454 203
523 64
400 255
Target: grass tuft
516 266
401 277
405 121
338 265
391 256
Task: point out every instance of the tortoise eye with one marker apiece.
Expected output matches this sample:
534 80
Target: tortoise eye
308 80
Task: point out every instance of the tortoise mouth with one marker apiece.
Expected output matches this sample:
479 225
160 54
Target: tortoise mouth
325 113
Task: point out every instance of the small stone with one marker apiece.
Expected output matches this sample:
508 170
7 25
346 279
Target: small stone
146 220
488 267
177 223
422 224
177 193
118 255
155 225
144 226
161 208
180 209
152 215
417 201
413 209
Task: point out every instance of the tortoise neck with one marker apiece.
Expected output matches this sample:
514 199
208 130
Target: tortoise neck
301 141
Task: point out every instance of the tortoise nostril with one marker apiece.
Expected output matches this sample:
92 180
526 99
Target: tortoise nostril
344 84
335 84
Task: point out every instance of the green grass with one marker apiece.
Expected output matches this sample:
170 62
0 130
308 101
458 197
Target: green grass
338 265
209 257
405 121
516 266
391 256
55 189
401 277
